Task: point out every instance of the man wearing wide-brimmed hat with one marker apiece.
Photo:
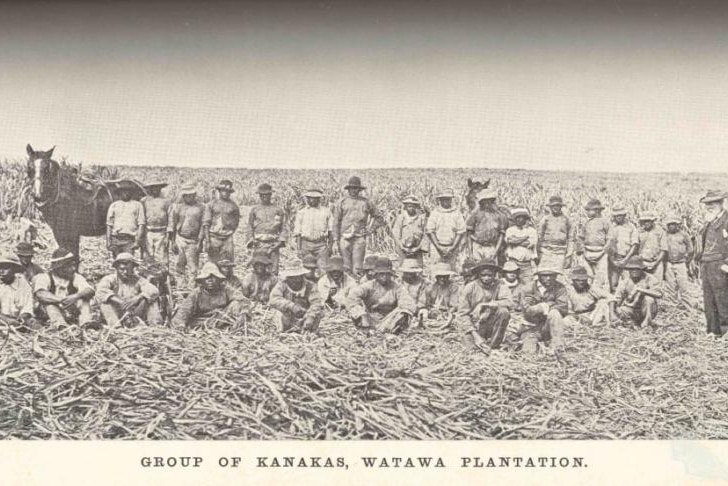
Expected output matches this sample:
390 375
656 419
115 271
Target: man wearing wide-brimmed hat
445 229
64 295
555 236
313 228
441 296
408 231
521 240
336 285
623 242
486 227
637 294
311 265
588 304
16 294
219 223
592 241
653 245
713 253
297 301
546 303
382 304
413 281
211 302
25 253
355 217
370 262
156 210
680 252
484 307
267 227
125 222
185 232
257 285
124 297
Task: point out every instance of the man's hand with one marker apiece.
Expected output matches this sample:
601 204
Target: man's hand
207 243
309 325
129 304
298 311
422 315
69 301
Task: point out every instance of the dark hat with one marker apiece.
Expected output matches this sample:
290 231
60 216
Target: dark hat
124 257
634 263
335 264
410 265
265 188
24 249
127 185
225 263
594 204
383 265
295 269
672 219
713 195
225 185
60 258
485 263
260 257
310 261
579 273
370 262
354 183
555 201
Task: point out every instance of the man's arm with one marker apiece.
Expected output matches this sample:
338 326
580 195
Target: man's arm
141 221
206 223
689 248
184 311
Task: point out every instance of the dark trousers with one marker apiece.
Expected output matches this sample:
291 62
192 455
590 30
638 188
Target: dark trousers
492 325
715 297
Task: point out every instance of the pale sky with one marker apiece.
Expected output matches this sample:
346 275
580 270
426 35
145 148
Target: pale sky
329 84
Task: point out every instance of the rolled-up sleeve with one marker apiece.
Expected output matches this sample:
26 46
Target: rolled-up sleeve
149 292
105 289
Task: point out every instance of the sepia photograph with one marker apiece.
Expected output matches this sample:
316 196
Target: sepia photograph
350 221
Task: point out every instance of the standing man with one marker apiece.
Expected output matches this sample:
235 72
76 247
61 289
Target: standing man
555 237
486 227
219 222
445 228
185 232
313 229
267 227
156 212
622 242
521 240
680 253
354 218
25 253
125 222
713 254
408 231
592 243
653 245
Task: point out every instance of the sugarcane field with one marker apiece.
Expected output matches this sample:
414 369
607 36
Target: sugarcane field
285 329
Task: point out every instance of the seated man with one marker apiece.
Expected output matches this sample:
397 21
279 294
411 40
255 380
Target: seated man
25 253
211 299
257 284
589 303
311 265
335 286
484 307
368 268
637 293
227 268
440 297
16 295
546 304
64 295
124 297
297 301
511 277
413 281
382 303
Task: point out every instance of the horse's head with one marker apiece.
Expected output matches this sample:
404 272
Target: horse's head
42 171
474 187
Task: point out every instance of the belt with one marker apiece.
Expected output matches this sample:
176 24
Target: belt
124 236
157 230
712 258
314 240
677 261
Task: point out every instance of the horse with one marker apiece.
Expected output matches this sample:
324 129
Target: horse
72 204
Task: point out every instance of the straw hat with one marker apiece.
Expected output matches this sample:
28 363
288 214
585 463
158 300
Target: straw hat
12 261
442 269
188 189
511 266
335 264
207 270
60 258
619 211
310 262
313 193
383 265
225 263
672 219
516 212
487 194
295 270
445 193
547 270
124 257
411 200
713 195
410 265
648 216
156 184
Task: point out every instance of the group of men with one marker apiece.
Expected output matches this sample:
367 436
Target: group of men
489 270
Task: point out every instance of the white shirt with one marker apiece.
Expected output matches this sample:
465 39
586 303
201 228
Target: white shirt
16 298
